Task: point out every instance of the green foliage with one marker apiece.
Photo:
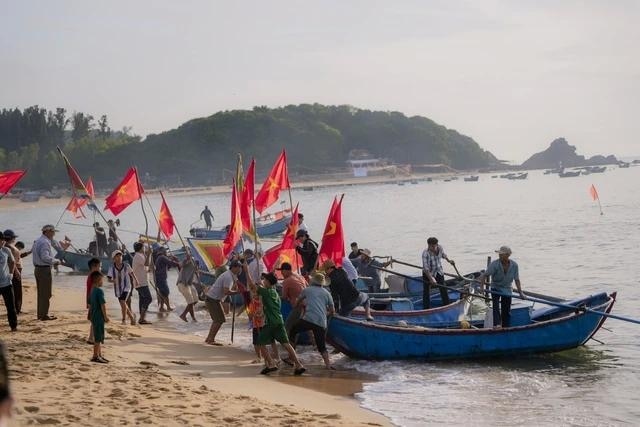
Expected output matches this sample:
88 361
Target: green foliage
317 138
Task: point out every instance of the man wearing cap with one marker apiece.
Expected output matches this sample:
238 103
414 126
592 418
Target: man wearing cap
292 286
308 250
43 260
343 291
121 275
16 281
140 267
503 272
162 264
369 269
432 272
7 265
317 304
225 285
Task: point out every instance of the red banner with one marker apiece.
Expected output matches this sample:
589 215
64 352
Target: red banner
9 179
165 219
277 180
234 234
127 192
332 246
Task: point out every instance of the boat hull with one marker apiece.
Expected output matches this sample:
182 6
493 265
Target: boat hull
80 262
368 340
433 317
264 230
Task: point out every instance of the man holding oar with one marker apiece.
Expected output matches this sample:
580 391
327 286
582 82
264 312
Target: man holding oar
432 272
503 272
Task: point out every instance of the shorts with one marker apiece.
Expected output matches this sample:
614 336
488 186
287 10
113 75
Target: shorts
163 287
255 335
189 293
214 306
124 295
362 300
269 333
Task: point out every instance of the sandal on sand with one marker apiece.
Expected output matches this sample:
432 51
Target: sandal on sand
98 360
299 371
287 361
144 322
266 371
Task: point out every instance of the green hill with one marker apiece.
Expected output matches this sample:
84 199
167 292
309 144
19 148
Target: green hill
317 138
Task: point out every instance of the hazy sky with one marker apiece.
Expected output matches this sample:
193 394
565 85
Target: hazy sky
513 75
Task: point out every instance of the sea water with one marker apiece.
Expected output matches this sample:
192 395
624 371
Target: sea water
564 247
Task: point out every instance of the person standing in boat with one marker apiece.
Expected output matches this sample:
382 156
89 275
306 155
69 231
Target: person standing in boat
308 250
355 251
208 217
101 241
503 272
369 270
433 273
301 224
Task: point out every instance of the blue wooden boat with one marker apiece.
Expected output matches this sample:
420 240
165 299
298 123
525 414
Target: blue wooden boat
80 261
433 317
265 228
546 330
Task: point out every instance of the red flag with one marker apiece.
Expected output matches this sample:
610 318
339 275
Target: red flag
332 246
165 219
277 180
127 192
89 187
9 179
286 250
235 229
75 205
77 186
594 193
246 201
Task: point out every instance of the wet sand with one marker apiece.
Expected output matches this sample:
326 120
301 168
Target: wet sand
158 376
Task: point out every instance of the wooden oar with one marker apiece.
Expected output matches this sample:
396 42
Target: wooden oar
556 304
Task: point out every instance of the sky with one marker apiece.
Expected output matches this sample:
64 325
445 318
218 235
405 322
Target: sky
513 75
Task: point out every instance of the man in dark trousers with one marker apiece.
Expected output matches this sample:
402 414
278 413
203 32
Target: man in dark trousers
43 260
432 272
7 266
208 217
308 250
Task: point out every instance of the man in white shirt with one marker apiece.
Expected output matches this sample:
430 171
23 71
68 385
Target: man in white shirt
43 260
140 270
224 285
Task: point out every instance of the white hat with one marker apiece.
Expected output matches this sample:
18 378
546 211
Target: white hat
504 250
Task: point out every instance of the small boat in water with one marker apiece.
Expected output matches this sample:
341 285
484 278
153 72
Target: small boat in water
30 196
569 174
472 178
547 329
79 261
519 176
268 225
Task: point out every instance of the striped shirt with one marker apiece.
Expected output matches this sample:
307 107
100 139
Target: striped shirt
121 278
432 262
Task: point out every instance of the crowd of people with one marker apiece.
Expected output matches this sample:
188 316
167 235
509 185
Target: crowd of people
319 290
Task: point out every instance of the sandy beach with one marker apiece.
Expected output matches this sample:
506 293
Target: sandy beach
158 376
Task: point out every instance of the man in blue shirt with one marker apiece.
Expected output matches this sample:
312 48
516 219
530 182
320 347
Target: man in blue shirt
503 272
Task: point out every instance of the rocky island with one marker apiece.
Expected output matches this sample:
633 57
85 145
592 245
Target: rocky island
560 153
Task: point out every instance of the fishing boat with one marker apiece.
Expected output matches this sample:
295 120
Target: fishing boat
569 174
547 329
30 196
79 261
432 317
268 225
472 178
519 176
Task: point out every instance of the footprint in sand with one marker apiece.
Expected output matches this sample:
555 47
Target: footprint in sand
31 409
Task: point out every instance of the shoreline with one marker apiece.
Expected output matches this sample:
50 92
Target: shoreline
304 185
158 373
